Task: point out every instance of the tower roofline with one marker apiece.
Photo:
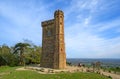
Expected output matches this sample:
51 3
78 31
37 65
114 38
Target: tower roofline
58 12
47 22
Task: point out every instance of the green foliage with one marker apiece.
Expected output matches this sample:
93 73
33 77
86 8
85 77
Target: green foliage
116 69
68 63
6 57
35 75
20 49
111 69
21 53
33 55
2 60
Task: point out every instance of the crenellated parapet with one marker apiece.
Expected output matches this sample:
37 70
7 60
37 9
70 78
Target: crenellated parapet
58 12
48 22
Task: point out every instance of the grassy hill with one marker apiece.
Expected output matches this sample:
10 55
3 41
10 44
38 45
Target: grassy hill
11 73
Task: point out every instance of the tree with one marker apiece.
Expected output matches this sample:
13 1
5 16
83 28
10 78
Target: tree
93 65
2 61
7 57
4 53
33 56
96 66
20 54
20 49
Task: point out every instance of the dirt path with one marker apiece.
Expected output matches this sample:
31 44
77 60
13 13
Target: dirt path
114 76
70 69
49 70
22 68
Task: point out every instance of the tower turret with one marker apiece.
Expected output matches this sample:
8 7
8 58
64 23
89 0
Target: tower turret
59 39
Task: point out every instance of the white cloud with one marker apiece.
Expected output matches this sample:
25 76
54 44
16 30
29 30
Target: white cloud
26 19
22 16
83 43
109 25
87 20
83 40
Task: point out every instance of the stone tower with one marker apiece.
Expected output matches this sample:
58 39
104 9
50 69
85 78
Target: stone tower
53 46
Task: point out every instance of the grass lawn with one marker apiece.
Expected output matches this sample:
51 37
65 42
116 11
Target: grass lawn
11 73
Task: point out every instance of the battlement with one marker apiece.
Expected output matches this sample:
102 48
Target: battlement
58 12
47 22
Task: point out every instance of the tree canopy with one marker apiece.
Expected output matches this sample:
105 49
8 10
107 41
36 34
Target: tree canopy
20 52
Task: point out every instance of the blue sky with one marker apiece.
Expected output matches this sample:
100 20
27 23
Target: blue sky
92 27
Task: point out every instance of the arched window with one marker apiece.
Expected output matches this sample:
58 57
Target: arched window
48 33
61 49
